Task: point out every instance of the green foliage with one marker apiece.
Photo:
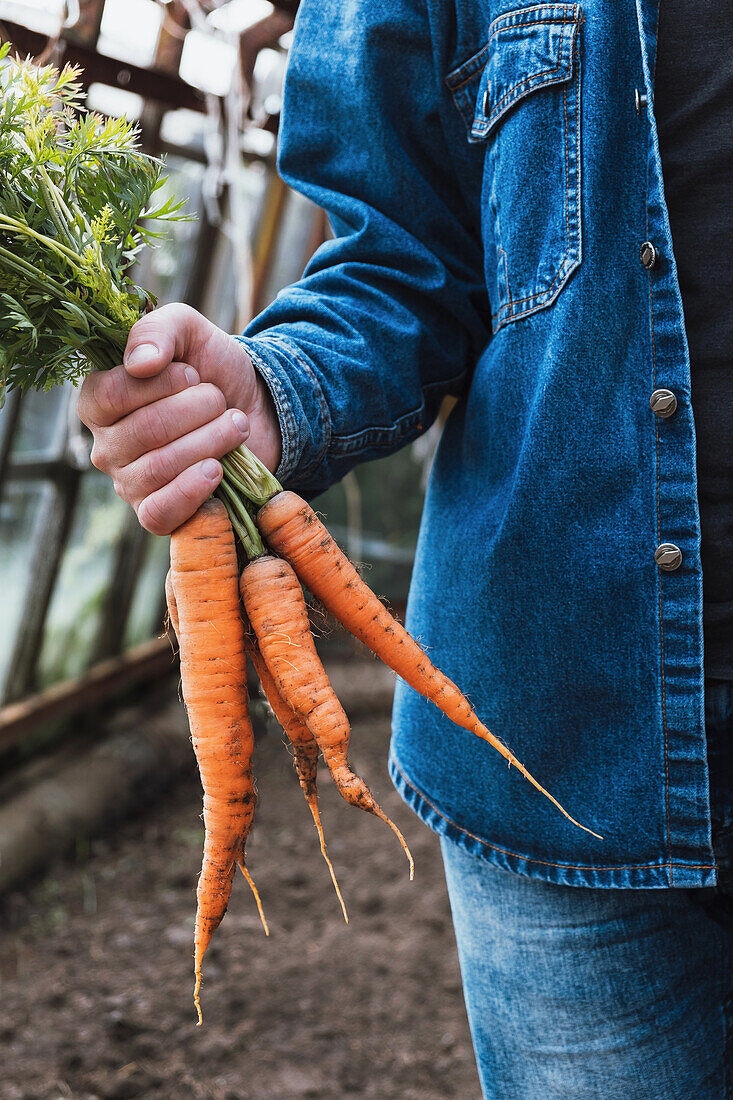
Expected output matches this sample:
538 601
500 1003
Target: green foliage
78 200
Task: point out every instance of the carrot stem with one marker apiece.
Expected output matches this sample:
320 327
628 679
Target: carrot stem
241 520
254 478
232 478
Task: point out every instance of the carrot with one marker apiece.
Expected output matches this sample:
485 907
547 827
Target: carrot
292 528
273 600
170 600
204 608
305 748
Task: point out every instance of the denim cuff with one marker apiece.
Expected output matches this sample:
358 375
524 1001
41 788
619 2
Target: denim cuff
302 413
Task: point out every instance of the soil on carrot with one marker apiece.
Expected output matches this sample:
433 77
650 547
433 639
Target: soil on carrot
97 974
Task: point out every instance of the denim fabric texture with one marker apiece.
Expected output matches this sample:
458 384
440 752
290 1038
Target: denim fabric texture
491 171
600 993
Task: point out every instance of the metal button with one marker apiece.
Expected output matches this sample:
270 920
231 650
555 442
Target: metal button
668 557
663 403
648 255
639 101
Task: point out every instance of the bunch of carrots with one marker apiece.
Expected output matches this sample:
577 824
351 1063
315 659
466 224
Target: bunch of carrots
221 617
78 202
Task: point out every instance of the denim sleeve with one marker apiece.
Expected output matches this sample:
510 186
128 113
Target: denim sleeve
391 314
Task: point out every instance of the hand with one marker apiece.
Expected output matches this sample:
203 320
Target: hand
186 395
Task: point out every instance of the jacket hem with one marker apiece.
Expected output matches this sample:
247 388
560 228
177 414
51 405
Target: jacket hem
633 876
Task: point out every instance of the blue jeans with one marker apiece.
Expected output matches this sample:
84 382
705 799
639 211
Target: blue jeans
615 994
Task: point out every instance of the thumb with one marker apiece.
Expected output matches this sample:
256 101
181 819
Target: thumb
160 338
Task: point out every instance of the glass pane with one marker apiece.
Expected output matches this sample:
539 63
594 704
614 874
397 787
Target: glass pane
164 270
41 428
291 246
146 620
45 16
114 101
235 16
207 62
74 614
182 126
20 507
224 298
252 181
269 72
130 30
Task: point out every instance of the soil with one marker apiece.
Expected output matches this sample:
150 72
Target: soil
96 960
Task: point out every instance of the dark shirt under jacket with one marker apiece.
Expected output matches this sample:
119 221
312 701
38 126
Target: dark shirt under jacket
694 109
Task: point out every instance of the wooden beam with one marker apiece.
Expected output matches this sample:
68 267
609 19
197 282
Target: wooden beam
97 69
87 26
289 6
145 662
84 788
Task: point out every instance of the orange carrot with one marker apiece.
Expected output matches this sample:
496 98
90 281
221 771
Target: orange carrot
204 608
305 748
292 528
170 599
275 607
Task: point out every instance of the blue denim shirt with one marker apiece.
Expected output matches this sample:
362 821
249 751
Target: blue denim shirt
491 172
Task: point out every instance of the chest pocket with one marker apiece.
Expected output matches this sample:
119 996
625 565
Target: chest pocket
520 97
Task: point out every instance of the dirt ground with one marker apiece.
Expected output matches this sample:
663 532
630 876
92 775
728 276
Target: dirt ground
96 967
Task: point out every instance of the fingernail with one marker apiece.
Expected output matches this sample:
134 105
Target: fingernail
211 469
142 354
240 422
191 375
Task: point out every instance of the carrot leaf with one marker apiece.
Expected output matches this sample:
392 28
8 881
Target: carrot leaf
78 200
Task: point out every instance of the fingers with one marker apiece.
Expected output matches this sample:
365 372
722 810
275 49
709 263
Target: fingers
158 468
169 507
159 423
172 332
108 396
155 425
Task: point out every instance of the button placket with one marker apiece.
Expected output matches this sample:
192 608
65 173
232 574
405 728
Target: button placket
663 402
675 589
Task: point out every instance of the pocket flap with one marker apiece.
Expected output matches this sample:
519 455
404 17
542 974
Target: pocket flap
527 49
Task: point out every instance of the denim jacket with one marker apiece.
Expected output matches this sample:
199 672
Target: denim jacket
493 178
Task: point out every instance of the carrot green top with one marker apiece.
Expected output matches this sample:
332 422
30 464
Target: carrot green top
78 201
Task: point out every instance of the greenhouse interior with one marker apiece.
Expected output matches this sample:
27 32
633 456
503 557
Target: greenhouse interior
100 816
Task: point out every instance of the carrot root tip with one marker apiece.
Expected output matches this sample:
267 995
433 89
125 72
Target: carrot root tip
196 999
388 821
313 804
254 890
